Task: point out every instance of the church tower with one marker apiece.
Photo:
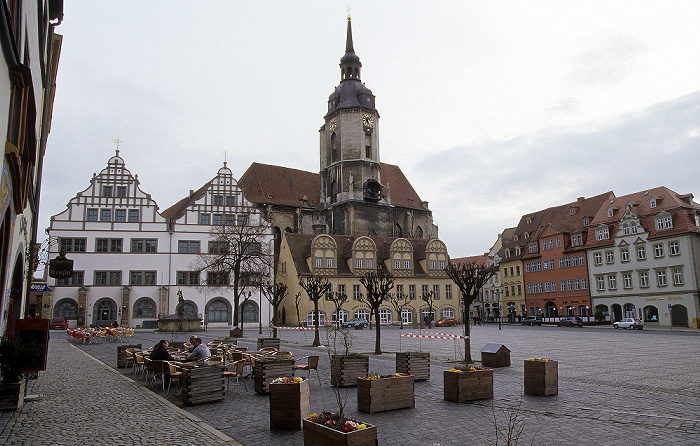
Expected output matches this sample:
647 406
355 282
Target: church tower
350 168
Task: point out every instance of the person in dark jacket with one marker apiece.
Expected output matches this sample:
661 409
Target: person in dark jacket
160 352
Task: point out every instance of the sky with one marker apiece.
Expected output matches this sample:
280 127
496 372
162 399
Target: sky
492 109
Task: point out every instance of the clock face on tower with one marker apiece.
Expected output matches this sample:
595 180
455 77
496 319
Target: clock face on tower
333 125
367 123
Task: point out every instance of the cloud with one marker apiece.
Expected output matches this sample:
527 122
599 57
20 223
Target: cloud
612 60
484 188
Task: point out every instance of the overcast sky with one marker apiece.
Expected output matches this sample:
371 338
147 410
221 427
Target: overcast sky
492 109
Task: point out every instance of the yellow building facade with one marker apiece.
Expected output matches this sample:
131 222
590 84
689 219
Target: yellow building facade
417 266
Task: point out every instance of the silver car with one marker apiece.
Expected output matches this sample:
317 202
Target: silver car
629 322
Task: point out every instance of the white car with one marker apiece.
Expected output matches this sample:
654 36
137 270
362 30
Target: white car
630 323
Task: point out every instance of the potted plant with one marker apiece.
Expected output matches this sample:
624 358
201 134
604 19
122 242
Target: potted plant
333 429
541 377
289 402
385 392
467 383
16 356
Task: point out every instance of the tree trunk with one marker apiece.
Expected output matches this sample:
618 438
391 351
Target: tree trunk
467 340
317 338
378 337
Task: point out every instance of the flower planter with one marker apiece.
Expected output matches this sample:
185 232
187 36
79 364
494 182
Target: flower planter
319 435
289 405
265 370
203 384
378 395
12 395
466 386
541 377
414 363
345 369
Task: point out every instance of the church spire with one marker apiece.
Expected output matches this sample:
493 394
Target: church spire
349 63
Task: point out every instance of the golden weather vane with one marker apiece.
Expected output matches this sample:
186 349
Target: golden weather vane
348 13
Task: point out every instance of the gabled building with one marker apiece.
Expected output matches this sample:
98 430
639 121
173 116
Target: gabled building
510 273
555 267
642 252
417 266
130 260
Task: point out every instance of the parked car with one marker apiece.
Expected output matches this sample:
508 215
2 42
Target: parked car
531 320
629 322
358 321
570 322
58 323
446 322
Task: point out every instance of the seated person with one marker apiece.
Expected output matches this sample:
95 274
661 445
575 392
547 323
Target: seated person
200 351
160 352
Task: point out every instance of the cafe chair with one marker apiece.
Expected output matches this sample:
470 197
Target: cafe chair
175 374
235 370
311 364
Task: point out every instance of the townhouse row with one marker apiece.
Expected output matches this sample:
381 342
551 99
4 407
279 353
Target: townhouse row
603 258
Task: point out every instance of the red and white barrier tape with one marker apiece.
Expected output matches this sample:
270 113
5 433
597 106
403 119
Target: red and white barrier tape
297 328
434 336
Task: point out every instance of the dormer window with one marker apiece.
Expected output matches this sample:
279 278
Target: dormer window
585 221
611 211
602 233
663 222
652 202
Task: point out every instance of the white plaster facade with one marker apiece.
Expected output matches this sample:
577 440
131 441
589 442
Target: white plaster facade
646 264
130 260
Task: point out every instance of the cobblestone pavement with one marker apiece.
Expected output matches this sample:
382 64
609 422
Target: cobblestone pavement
86 402
615 386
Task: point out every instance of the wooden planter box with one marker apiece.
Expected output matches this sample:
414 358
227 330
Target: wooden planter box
461 387
378 395
268 342
318 435
203 384
289 405
414 363
345 369
12 395
541 377
265 370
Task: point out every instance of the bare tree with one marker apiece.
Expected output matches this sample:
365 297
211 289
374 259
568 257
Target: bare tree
316 287
338 300
275 294
469 278
399 301
378 286
237 248
429 298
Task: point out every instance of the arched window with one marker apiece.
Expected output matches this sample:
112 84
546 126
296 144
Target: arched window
651 314
397 231
217 311
249 311
582 310
447 312
311 321
104 312
362 312
342 316
144 307
67 308
426 313
419 232
629 310
407 316
190 308
384 316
